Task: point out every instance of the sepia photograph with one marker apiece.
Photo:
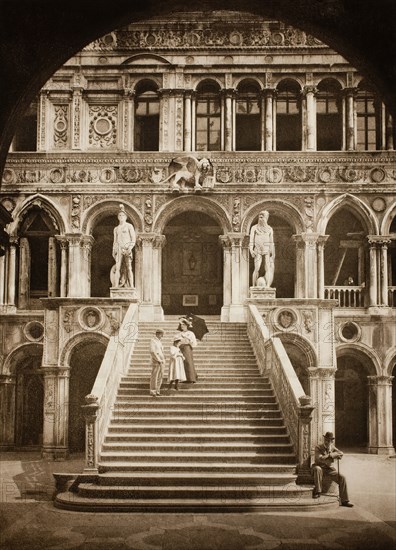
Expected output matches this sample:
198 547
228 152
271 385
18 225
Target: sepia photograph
197 275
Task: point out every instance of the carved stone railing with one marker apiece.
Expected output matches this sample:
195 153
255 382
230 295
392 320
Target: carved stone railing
296 408
347 296
392 296
100 403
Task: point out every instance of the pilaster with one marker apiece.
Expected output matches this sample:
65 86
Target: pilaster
380 415
7 411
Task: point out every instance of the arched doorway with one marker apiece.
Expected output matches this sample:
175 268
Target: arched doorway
192 265
285 257
29 402
85 361
351 401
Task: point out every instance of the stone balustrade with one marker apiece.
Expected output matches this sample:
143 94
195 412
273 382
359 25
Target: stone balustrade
347 296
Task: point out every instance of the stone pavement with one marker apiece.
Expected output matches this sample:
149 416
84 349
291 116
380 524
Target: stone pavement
28 519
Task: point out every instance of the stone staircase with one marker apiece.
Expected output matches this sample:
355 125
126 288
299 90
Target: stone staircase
218 444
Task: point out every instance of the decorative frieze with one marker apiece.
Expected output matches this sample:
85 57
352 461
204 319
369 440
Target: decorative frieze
237 169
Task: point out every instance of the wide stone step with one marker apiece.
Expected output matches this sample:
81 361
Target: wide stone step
251 448
138 492
199 413
188 467
177 400
210 384
215 422
180 396
192 430
201 439
272 475
158 457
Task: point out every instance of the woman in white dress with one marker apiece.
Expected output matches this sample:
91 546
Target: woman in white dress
187 344
176 372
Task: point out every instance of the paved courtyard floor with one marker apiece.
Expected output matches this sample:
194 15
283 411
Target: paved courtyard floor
28 519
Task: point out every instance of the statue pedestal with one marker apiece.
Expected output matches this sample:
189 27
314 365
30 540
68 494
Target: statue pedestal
262 293
123 292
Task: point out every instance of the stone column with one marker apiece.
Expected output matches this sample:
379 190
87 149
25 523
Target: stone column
11 279
164 142
64 244
228 117
146 310
42 121
350 118
304 440
310 100
7 412
383 260
56 412
244 271
76 115
193 119
373 281
187 121
129 120
225 310
236 307
321 279
380 415
24 273
389 140
2 280
268 133
158 244
90 410
322 386
138 251
306 259
52 268
79 276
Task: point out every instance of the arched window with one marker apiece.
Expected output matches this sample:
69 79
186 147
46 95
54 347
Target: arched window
288 116
248 119
146 117
208 114
329 116
367 119
38 259
25 138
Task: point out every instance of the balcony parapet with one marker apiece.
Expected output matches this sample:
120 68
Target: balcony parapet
272 170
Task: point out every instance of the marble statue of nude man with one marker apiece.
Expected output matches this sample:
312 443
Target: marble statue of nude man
261 246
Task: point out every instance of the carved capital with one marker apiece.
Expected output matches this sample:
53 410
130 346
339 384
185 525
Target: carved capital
381 380
309 90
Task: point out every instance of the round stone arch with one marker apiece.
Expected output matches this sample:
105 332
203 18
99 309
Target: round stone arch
253 79
388 219
77 340
356 405
98 211
22 397
43 203
212 79
294 78
82 356
358 207
18 354
195 204
341 81
280 208
390 363
302 356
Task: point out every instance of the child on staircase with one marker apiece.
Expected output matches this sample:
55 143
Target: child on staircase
176 372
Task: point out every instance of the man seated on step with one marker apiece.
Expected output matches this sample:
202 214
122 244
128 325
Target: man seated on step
325 455
157 363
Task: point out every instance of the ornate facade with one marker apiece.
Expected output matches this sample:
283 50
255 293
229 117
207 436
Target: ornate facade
288 126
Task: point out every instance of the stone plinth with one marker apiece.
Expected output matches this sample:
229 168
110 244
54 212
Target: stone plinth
122 292
262 293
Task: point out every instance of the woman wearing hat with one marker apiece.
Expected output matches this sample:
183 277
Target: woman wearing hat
188 342
176 372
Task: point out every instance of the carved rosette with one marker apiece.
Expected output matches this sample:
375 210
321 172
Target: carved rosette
103 126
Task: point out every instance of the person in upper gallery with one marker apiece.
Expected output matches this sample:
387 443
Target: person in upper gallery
325 455
188 342
176 371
